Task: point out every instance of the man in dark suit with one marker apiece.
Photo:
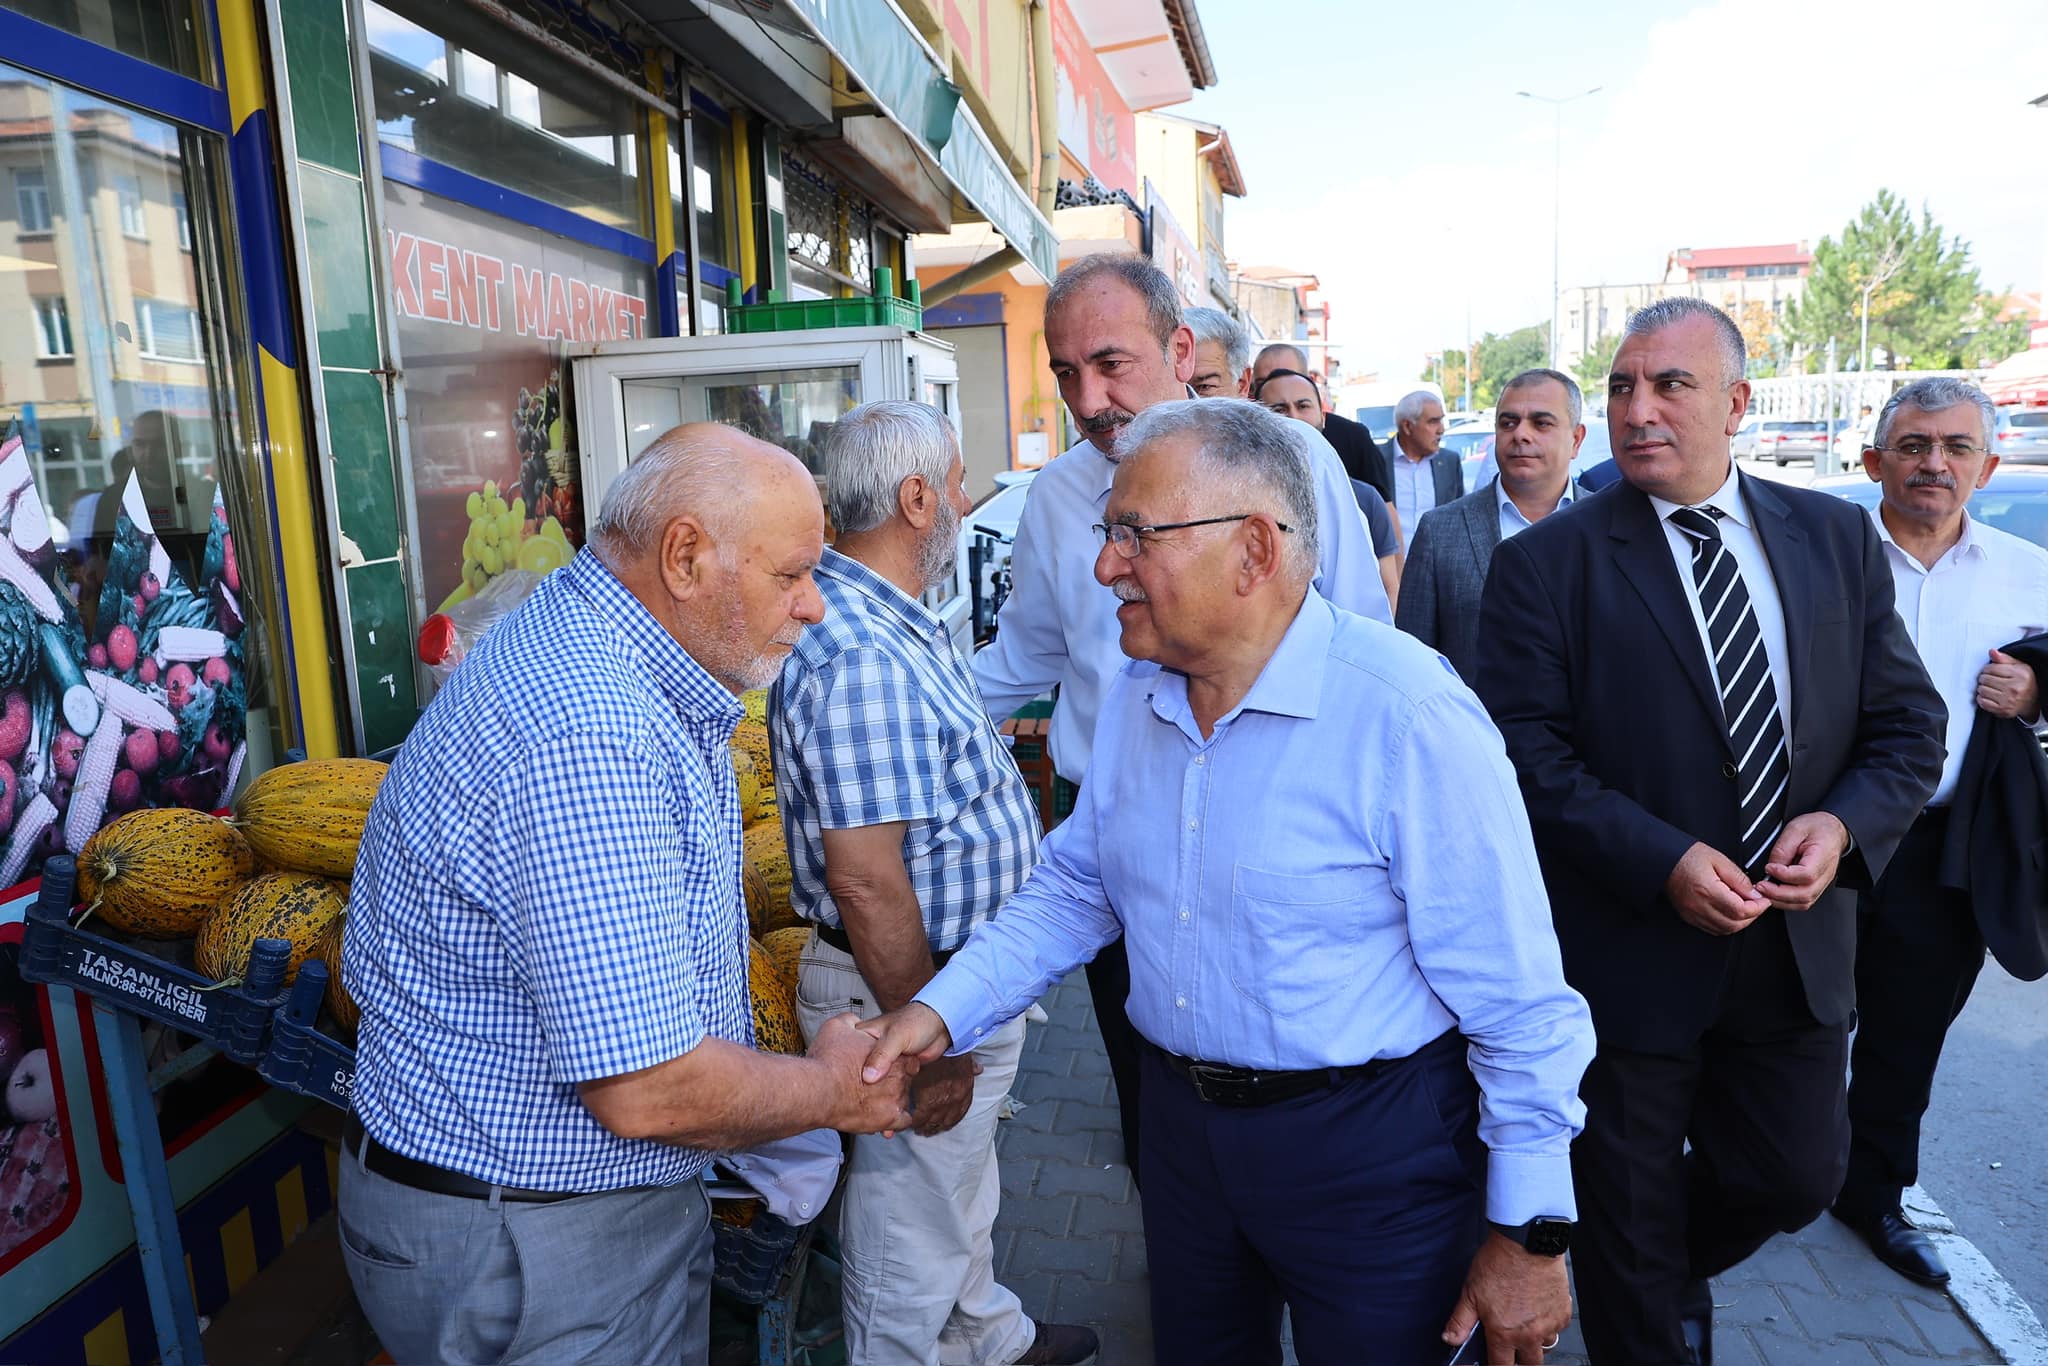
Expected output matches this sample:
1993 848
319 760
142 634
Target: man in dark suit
1424 474
1363 459
1700 780
1537 431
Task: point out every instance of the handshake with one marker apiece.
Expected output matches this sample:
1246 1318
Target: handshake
871 1066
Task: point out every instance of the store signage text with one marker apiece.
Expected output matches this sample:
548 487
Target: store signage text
443 283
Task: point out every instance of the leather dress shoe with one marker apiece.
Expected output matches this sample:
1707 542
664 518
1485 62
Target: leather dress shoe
1900 1246
1696 1321
1060 1344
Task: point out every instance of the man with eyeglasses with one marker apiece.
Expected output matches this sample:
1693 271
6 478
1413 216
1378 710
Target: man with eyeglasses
1964 590
1716 718
1118 345
1332 960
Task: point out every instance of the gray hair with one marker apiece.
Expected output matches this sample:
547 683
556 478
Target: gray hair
1409 409
1214 325
1665 313
873 449
1933 396
1573 399
1273 349
1147 281
677 474
1251 451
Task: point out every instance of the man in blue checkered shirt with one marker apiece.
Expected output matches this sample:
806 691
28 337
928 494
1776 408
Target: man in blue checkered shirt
908 825
546 940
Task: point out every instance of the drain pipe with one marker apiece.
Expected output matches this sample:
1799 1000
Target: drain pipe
1048 106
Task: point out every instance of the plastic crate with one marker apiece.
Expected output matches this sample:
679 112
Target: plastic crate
750 1263
301 1059
880 309
234 1021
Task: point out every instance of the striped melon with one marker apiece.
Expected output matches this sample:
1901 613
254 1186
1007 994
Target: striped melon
775 1029
749 779
754 888
770 857
751 738
785 947
339 1003
308 817
159 873
294 907
756 704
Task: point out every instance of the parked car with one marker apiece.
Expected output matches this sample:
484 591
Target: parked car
2015 499
2022 434
1786 439
1743 444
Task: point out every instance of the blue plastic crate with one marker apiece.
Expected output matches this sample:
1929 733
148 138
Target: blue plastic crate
234 1021
302 1059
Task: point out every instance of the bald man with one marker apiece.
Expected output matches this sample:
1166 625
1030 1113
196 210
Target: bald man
1363 458
548 946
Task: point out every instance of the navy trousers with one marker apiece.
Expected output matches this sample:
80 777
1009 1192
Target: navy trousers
1359 1208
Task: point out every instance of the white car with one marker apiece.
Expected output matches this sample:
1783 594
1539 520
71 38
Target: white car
1743 443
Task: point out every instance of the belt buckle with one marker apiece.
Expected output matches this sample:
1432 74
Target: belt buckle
1213 1086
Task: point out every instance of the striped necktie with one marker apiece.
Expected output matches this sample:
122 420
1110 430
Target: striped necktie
1749 699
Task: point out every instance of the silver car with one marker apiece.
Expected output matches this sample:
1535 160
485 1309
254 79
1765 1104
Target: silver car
2022 435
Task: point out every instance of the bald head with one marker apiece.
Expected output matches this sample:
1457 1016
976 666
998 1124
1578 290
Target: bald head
716 533
1278 356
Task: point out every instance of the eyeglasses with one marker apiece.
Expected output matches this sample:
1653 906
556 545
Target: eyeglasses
1920 450
1127 539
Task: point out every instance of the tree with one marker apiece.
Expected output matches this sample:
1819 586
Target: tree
1916 293
1502 357
1995 341
1759 334
1447 369
1591 369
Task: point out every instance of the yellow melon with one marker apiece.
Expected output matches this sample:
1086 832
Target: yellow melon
775 1027
159 873
749 779
770 857
785 948
751 737
294 907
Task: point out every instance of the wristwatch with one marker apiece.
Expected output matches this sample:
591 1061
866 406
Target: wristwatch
1544 1236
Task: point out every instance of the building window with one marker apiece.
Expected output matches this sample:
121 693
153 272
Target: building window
184 220
53 329
1711 273
1756 272
134 222
167 331
32 200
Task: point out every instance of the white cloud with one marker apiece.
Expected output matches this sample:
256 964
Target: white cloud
1747 121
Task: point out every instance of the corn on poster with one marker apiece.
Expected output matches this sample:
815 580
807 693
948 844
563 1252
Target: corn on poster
121 684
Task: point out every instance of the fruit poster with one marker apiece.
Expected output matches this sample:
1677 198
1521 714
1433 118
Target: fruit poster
121 683
486 310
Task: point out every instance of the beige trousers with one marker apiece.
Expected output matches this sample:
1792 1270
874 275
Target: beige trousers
920 1286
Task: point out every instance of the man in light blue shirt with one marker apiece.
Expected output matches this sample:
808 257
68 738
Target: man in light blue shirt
1326 944
1118 344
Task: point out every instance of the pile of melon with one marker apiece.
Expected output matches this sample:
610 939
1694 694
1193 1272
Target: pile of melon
777 934
278 868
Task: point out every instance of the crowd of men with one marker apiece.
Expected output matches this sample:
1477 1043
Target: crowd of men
1462 879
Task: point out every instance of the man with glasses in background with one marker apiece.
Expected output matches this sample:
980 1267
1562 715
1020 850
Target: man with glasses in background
1327 947
1964 589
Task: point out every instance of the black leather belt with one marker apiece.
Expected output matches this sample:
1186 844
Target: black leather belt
1244 1087
424 1176
836 937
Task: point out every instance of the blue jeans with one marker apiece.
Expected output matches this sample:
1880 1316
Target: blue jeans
1359 1208
622 1277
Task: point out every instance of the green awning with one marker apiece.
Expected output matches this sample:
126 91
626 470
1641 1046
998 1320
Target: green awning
892 63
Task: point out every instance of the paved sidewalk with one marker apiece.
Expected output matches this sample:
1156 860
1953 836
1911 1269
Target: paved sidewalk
1069 1240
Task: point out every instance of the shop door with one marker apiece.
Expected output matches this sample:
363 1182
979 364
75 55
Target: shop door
984 403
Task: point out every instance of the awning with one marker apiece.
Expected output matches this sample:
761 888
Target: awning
2020 379
895 66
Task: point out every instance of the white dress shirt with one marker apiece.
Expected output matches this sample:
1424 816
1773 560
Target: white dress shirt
1990 589
1738 533
1058 625
1511 518
1414 486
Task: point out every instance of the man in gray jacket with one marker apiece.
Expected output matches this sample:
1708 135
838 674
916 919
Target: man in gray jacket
1537 431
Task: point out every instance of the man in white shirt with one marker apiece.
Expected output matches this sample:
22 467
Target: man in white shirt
1118 344
1425 475
1537 429
1964 589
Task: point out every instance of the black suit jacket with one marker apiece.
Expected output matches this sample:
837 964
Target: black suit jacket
1996 849
1444 467
1363 459
1597 677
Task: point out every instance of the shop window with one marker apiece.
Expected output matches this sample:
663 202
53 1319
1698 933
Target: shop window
165 33
31 201
132 481
709 190
184 220
53 329
128 191
455 88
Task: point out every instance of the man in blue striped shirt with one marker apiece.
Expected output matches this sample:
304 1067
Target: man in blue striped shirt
546 940
908 826
1307 830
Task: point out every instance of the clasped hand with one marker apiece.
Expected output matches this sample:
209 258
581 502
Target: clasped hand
864 1100
1713 894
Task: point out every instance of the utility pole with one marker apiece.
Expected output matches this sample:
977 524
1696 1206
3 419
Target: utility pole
1557 104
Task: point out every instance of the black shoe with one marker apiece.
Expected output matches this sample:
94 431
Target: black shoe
1900 1246
1060 1344
1696 1321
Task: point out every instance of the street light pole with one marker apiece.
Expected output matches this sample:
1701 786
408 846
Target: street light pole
1557 104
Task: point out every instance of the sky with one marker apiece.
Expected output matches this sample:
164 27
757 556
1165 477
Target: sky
1385 149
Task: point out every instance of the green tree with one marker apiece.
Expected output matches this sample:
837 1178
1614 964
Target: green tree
1919 291
1503 356
1446 369
1591 369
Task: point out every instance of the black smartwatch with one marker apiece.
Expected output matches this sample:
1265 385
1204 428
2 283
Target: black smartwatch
1543 1236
